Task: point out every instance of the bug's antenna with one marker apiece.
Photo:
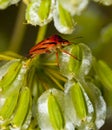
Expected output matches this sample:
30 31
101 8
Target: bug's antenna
78 37
74 38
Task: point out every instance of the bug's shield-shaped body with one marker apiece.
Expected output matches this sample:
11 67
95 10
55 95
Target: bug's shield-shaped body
51 44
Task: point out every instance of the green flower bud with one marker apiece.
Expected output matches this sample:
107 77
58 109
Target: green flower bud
106 34
78 101
39 12
105 2
13 78
9 72
9 104
69 66
22 109
98 104
104 74
50 110
55 113
76 67
87 59
63 20
5 3
27 120
78 107
14 1
74 6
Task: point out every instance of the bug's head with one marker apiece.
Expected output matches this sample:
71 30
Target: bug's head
65 43
59 40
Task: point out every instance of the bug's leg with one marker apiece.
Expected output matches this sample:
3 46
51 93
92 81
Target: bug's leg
57 58
70 54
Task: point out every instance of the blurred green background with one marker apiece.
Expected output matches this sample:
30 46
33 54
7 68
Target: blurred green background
94 25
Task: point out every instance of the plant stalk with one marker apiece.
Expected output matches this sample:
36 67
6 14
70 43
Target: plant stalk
19 30
41 33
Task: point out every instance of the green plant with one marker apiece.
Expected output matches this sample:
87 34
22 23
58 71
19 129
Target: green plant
40 93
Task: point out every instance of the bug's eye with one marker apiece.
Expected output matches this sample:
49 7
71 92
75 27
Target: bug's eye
64 43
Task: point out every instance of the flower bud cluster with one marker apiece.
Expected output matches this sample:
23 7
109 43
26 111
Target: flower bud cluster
35 94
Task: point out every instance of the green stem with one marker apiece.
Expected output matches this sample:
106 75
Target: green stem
49 64
41 33
5 57
19 30
56 74
56 81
